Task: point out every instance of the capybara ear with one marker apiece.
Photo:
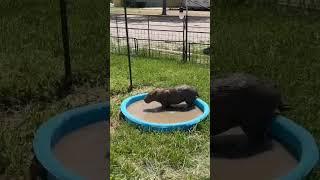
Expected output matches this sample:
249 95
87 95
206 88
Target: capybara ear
167 92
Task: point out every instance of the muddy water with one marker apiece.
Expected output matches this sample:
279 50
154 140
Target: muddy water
270 163
153 112
84 151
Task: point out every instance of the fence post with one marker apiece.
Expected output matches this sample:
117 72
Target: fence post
128 45
136 46
189 51
288 4
186 35
149 35
65 38
183 42
117 34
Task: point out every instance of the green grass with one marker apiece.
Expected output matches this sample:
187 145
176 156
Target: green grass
31 69
280 45
31 55
141 155
196 53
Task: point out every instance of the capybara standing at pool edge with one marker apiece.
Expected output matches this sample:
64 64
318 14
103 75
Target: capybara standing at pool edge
246 101
170 96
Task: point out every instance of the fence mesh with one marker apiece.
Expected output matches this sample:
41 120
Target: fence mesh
161 36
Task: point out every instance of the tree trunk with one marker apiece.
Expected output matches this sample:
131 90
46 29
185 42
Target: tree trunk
164 7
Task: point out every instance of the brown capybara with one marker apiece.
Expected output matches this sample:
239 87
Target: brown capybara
244 100
172 96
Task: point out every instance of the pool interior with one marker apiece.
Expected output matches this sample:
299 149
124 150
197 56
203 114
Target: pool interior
153 112
232 160
84 151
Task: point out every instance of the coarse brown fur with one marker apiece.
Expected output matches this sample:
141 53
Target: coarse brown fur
172 96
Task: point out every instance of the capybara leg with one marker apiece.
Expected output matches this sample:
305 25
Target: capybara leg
164 105
218 128
190 102
256 135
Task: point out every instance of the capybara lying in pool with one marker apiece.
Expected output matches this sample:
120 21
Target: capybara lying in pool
244 100
172 96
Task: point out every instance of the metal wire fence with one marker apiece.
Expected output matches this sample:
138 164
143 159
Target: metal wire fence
159 36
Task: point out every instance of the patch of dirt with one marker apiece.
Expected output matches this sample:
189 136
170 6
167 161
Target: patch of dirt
84 96
80 96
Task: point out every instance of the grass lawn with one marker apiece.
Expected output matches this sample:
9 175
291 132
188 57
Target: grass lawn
31 69
32 55
141 155
283 46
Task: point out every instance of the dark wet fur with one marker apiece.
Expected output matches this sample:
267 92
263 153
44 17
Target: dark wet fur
172 96
244 100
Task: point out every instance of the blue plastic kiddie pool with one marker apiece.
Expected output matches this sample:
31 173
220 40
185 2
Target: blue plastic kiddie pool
72 145
63 130
292 156
300 143
162 127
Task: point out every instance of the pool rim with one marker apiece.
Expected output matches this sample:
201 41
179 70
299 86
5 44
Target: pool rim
162 127
52 131
283 129
300 143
